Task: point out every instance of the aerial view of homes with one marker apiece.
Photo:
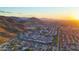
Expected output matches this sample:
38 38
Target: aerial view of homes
39 29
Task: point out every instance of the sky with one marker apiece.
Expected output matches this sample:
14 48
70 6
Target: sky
41 12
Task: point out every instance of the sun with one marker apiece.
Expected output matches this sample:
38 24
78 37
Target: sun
76 17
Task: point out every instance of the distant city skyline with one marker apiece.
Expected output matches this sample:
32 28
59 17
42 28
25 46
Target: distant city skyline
41 12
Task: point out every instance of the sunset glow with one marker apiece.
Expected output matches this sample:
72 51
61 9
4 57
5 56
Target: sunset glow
42 12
